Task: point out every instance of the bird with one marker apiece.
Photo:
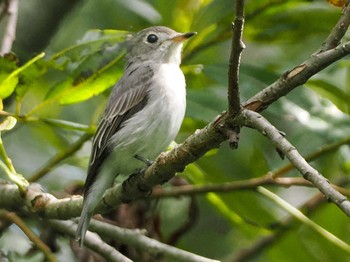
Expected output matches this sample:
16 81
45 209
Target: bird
142 117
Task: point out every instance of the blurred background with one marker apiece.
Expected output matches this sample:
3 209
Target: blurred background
278 35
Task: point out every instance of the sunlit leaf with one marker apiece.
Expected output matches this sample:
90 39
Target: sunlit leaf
333 93
92 66
8 80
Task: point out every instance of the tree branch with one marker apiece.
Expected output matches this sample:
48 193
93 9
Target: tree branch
280 228
322 151
92 241
249 184
59 157
10 31
256 121
137 239
13 218
296 77
237 46
296 213
338 31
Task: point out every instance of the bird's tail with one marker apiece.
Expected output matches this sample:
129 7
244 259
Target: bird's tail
83 224
92 197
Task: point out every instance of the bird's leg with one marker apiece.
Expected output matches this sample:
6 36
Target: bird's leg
144 160
137 175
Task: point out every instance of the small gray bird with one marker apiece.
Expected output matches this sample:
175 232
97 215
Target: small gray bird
143 115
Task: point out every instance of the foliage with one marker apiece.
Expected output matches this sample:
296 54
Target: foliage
57 96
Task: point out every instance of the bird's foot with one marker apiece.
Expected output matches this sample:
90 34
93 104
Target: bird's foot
144 160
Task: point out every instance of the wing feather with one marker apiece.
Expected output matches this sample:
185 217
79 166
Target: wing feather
128 97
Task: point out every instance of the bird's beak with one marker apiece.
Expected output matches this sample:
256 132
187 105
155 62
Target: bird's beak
182 37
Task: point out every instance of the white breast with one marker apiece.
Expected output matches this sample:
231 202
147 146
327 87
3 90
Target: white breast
152 129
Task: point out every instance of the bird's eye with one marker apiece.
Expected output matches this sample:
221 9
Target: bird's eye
152 38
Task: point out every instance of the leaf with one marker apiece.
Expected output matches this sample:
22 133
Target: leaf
285 22
7 85
339 97
204 106
8 123
93 41
8 64
67 124
9 81
30 77
91 66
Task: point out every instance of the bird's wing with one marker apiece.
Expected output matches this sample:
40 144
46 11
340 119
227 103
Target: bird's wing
128 97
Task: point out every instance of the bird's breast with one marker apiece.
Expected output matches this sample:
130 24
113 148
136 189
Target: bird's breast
151 130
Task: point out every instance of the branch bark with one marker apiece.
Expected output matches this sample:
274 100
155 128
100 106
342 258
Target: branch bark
136 238
10 31
92 241
296 77
237 46
256 121
338 31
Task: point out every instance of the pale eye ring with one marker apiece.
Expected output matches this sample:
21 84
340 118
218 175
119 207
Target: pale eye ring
152 38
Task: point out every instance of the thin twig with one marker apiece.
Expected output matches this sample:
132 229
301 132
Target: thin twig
338 31
304 219
256 121
249 184
10 31
237 46
60 156
322 151
12 217
281 228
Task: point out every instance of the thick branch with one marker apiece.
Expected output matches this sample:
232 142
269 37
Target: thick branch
256 121
237 46
164 168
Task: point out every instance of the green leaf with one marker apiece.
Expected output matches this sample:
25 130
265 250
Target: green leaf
93 41
8 85
206 105
339 97
91 66
8 81
67 125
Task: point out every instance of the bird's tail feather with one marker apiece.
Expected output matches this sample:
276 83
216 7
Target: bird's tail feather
92 197
83 224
